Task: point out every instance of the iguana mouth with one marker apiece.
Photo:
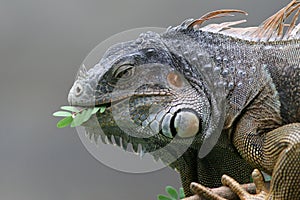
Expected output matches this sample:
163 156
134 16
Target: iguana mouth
111 99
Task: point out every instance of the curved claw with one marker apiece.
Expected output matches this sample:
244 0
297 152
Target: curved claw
261 189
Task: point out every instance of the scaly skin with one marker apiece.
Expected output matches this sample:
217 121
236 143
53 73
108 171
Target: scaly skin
228 102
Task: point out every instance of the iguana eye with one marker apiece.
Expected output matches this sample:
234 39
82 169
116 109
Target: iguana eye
124 71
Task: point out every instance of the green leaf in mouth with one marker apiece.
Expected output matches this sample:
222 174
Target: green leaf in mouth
70 108
75 116
62 114
81 117
64 122
102 109
96 110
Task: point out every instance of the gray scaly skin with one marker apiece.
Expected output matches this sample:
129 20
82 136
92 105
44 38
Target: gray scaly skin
226 99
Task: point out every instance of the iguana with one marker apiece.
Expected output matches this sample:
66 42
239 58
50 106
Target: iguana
217 99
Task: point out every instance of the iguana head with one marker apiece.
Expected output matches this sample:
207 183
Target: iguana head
154 99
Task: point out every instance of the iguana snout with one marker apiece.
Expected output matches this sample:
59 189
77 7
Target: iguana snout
83 89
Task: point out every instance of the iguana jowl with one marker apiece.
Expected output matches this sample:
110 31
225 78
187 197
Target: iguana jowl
234 89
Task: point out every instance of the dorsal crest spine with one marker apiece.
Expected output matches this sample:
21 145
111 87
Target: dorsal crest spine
275 28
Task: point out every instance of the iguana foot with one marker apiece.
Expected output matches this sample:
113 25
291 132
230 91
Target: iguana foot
261 190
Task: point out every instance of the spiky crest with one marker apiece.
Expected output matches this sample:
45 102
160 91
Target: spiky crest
272 29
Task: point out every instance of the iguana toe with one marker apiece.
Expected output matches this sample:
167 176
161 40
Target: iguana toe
205 192
261 191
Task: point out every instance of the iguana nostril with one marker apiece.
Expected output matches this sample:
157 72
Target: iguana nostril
78 90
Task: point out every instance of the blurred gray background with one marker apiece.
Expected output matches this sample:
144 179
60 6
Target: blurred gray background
42 44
